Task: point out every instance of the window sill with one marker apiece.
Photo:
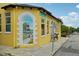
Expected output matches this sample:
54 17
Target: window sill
43 35
7 32
48 34
0 32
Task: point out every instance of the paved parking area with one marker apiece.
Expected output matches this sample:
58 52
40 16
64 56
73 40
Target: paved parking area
71 48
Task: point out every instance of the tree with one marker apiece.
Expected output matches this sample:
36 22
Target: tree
24 26
66 30
77 30
72 29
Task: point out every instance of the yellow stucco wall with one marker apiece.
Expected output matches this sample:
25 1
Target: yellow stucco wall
5 37
45 39
10 39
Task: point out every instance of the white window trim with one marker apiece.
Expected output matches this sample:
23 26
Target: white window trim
1 32
8 23
8 16
43 35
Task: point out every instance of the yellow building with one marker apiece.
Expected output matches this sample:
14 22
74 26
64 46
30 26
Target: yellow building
23 25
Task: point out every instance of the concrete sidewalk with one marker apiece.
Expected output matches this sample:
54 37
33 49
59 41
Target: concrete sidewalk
58 44
45 50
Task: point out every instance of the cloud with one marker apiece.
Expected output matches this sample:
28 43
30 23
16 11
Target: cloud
77 6
72 14
71 20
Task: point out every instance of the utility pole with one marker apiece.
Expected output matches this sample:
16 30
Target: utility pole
53 40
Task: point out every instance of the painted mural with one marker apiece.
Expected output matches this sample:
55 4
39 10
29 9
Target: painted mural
26 34
53 29
27 29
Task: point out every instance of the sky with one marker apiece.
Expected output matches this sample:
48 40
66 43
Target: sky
68 12
29 21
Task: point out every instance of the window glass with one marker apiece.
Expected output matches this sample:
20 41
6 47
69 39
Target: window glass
7 19
8 22
8 28
47 27
43 29
7 14
0 22
43 21
43 26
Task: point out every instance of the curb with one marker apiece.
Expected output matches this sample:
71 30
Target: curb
59 47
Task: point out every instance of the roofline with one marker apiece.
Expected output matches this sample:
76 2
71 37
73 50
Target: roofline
31 6
58 19
21 5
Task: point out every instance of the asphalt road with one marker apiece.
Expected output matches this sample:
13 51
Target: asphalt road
71 47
